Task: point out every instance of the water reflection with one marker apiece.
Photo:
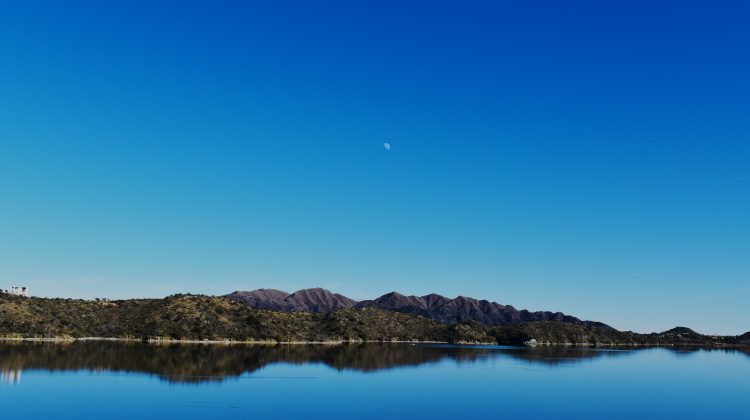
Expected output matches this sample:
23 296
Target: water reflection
10 376
196 363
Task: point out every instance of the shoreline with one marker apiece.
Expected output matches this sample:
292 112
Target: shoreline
633 346
247 342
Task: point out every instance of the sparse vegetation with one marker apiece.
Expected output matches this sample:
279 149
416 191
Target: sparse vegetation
197 317
193 317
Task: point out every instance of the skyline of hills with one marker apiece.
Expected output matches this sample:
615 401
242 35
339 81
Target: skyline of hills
201 317
433 306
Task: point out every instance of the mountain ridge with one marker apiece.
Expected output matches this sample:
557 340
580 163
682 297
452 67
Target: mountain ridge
199 317
316 300
433 306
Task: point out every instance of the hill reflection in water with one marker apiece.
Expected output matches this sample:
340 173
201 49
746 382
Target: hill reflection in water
197 363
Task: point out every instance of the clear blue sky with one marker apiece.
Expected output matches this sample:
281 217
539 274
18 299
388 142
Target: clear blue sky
588 157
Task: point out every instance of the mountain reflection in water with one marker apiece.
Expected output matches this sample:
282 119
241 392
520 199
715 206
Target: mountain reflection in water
196 363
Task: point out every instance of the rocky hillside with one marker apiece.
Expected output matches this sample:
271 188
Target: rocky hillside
204 317
191 317
433 306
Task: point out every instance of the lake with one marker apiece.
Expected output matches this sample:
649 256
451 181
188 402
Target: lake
139 380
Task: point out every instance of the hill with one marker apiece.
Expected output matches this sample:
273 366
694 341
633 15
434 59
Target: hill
192 317
196 317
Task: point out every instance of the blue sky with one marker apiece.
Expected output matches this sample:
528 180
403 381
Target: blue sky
591 157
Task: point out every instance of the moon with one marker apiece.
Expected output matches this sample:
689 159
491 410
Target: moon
387 146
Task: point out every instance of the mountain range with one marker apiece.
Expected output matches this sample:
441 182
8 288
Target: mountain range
199 317
433 306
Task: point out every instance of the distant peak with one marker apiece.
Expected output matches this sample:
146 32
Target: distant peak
681 331
313 290
263 292
270 290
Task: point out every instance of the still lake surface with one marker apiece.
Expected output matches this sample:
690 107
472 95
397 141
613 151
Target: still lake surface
139 380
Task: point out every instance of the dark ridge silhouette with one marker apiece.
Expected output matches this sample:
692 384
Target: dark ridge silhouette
319 300
433 306
680 331
306 300
270 299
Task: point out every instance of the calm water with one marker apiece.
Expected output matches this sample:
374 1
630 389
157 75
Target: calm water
134 380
